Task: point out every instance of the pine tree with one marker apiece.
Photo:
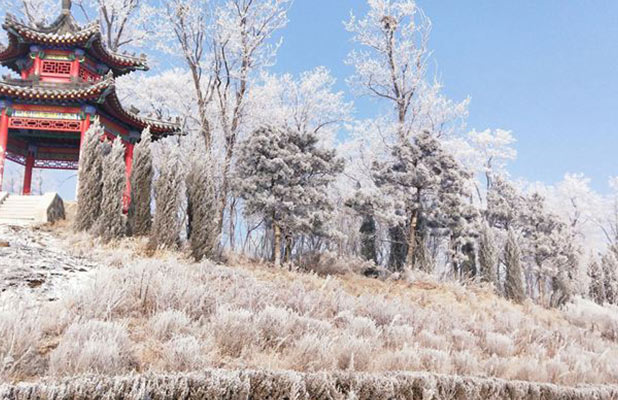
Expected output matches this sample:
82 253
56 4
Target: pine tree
513 285
283 175
90 185
139 215
596 290
426 186
165 232
201 206
398 247
111 224
488 256
364 206
368 238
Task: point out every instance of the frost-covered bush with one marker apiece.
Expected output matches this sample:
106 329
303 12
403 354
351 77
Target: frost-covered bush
329 263
19 340
262 318
183 353
396 336
353 353
233 331
587 314
166 324
268 385
93 347
274 325
462 340
500 345
312 352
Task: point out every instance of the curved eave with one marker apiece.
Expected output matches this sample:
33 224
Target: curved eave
88 37
158 128
93 92
31 34
120 63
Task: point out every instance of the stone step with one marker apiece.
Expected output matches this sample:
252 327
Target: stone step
18 206
17 215
21 201
28 218
17 218
30 210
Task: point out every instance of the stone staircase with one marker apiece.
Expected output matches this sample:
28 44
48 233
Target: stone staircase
29 210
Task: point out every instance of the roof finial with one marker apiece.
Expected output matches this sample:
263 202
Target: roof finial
66 6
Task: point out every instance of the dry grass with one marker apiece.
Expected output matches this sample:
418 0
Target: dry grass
170 315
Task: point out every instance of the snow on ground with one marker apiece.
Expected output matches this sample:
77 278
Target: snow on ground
33 259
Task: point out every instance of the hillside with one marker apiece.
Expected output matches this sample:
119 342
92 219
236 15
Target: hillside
127 313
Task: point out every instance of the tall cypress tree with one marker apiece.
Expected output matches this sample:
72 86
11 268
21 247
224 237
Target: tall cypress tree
488 256
90 185
513 285
201 207
111 222
610 275
139 215
165 232
596 290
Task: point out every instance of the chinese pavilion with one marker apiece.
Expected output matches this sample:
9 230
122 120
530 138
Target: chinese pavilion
66 78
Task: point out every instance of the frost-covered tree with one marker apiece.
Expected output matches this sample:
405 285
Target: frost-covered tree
283 177
504 203
610 275
166 225
596 289
90 184
224 45
308 103
364 205
202 230
513 285
488 256
391 66
139 215
492 150
453 211
425 186
111 223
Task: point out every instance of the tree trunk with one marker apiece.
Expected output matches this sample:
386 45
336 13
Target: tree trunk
288 248
232 225
277 245
541 284
412 238
368 238
398 248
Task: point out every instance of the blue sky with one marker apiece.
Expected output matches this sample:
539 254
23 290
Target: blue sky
547 70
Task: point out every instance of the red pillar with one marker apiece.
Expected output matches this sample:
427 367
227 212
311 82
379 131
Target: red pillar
37 65
75 69
26 190
128 162
4 139
85 127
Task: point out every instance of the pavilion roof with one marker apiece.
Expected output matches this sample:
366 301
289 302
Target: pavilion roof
103 94
64 32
